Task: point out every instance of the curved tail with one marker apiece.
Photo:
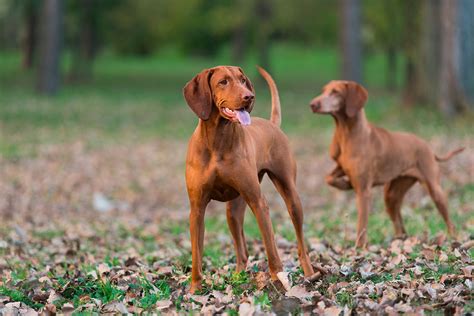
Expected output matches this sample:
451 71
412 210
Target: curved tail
276 110
449 155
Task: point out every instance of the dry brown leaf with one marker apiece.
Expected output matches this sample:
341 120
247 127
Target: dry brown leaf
285 281
164 304
332 311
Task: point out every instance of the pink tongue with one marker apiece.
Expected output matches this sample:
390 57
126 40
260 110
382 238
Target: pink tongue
243 117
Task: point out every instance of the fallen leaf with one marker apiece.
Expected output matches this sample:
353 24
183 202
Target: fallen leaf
162 305
332 311
283 277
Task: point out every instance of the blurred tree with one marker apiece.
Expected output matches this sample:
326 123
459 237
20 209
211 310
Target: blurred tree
30 13
133 26
85 39
241 28
429 51
452 98
350 40
9 24
411 12
306 21
264 12
385 20
85 25
50 46
466 33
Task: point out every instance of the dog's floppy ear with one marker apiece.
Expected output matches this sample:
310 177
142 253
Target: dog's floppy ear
356 96
197 93
249 86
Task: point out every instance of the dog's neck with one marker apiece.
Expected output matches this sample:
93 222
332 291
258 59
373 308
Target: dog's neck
350 127
219 134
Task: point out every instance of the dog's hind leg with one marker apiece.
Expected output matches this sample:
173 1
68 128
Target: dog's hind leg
285 185
430 171
394 193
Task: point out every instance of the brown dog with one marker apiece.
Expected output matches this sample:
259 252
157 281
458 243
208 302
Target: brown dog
228 155
368 156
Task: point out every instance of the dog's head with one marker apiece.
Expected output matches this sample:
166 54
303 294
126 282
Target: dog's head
225 87
347 96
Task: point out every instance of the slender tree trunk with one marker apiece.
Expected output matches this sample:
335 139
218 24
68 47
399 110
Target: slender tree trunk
238 44
239 37
29 44
411 38
264 13
50 46
452 99
84 54
466 33
429 51
350 38
411 82
391 68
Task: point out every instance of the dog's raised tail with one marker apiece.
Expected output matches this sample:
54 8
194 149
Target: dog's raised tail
449 155
275 117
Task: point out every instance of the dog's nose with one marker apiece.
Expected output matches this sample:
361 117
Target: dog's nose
315 105
249 97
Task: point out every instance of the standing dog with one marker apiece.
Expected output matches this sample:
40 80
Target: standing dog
228 155
368 156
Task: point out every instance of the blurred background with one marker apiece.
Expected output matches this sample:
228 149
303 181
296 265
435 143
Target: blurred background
91 105
116 65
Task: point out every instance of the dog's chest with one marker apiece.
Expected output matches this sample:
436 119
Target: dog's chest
223 192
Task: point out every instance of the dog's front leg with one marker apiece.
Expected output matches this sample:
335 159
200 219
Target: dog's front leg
338 179
196 220
364 202
259 206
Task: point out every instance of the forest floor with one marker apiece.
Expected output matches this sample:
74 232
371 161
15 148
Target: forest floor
106 230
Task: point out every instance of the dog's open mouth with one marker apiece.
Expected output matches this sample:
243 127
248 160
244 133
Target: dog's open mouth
240 115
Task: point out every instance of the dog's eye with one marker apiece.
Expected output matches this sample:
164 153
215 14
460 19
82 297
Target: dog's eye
243 80
223 82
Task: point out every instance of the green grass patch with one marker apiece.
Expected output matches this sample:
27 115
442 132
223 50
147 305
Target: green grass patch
345 299
263 301
18 296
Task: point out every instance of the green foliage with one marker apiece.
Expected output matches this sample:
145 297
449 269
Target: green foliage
102 290
18 296
345 299
240 282
153 292
263 301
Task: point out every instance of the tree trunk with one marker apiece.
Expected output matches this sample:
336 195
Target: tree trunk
84 54
411 83
50 46
264 13
350 38
452 99
29 43
411 38
466 32
239 36
391 68
429 51
238 44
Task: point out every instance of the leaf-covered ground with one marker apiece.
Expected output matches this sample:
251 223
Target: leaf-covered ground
105 230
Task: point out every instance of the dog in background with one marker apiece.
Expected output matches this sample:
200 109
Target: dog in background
367 156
